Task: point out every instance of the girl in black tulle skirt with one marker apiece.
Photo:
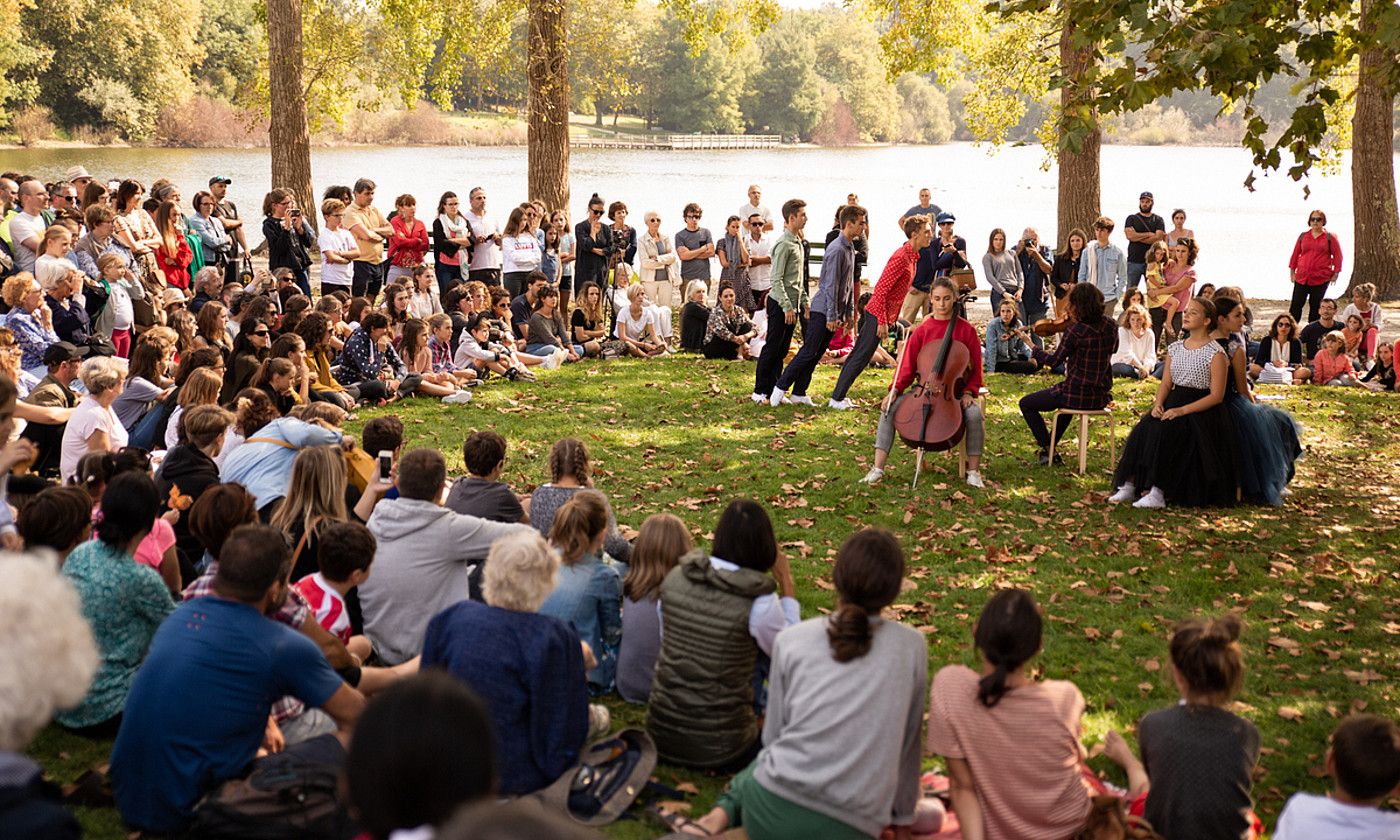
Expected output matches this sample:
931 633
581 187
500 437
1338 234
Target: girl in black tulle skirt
1181 451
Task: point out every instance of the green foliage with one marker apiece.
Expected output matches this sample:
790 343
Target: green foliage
234 46
924 116
785 95
21 61
702 91
848 56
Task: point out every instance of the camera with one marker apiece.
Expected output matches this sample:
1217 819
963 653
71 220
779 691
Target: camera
295 213
1030 243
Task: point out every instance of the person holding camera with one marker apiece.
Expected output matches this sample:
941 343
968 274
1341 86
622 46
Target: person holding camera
288 236
946 252
1036 268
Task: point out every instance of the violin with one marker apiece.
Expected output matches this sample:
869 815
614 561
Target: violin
1047 327
931 416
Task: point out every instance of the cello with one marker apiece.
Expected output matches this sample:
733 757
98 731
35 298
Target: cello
930 419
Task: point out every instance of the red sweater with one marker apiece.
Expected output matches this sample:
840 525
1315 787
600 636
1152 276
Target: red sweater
1315 259
893 285
408 245
931 331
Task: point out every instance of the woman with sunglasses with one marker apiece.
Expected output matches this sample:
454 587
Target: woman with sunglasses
1316 264
594 242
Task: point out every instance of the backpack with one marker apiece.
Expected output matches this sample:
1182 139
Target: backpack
610 775
287 796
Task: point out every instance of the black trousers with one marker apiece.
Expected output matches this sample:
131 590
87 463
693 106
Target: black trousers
366 279
775 349
1313 295
1159 322
815 339
1036 404
867 340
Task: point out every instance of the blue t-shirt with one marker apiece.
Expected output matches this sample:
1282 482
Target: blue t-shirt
197 711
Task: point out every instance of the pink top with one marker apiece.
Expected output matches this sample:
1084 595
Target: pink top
1171 276
152 549
1327 367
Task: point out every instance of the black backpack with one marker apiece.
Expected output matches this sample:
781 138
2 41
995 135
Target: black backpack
285 797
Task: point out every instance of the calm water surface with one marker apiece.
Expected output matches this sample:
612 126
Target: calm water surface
1246 237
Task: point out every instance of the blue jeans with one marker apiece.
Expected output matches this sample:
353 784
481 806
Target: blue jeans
1123 371
303 280
447 276
1135 273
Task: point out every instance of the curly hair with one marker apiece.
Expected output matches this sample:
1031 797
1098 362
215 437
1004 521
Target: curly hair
49 655
520 572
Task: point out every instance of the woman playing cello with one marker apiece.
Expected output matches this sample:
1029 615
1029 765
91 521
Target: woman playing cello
1086 350
943 298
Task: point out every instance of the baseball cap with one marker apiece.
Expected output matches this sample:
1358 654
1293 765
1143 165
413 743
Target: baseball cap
946 217
219 179
63 351
1145 195
75 172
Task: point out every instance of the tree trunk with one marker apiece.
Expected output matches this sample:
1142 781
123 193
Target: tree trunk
1377 223
289 134
1078 198
548 72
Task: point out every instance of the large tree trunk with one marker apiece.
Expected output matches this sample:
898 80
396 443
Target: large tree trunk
548 72
289 134
1079 157
1377 223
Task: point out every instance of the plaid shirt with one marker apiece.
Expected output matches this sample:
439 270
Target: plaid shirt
893 285
293 613
1085 350
442 355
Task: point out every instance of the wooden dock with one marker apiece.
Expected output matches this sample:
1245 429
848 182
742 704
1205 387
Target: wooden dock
679 141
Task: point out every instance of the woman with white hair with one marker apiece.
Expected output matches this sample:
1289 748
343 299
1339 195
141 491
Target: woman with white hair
660 266
61 281
637 326
528 668
46 663
93 426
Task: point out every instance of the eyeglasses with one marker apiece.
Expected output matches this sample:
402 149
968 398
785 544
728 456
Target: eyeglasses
261 332
756 224
945 224
594 211
1314 219
692 215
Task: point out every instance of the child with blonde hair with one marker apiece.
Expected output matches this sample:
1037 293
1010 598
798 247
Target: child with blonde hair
660 544
1156 260
1332 365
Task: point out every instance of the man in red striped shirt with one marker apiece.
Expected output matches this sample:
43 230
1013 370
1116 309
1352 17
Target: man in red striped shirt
883 308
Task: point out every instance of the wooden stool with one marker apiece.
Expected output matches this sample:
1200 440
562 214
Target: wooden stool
962 445
1085 415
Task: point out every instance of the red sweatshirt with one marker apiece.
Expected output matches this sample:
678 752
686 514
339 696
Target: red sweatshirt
930 331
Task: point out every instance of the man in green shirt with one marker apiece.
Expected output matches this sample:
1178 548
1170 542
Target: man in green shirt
787 298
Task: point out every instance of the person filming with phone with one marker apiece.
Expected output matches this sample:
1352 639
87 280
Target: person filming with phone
289 237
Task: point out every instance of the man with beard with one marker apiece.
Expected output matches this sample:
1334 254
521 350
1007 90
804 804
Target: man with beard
198 710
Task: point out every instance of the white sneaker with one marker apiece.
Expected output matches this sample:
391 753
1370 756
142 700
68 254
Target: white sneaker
777 398
1287 491
1154 499
550 362
758 398
802 400
974 479
874 476
459 398
840 405
1126 493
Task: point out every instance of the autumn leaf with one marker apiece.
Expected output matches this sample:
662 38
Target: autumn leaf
1290 713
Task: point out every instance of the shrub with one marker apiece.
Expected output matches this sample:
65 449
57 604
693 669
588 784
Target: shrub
207 123
33 124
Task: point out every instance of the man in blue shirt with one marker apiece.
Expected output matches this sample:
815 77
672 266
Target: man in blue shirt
198 710
1103 265
925 207
833 304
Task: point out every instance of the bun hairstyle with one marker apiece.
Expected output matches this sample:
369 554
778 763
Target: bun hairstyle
868 573
1207 655
1008 634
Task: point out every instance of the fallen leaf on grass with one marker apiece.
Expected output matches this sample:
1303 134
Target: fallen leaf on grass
688 787
673 806
1290 713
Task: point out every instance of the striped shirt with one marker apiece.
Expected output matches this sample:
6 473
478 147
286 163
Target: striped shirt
893 285
327 603
1024 752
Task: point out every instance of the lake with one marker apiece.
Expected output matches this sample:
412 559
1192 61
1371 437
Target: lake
1246 238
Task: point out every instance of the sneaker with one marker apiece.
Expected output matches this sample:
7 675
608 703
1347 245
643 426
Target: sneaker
1154 499
550 362
758 398
459 398
974 479
777 398
840 405
802 400
599 721
874 476
1042 456
1126 493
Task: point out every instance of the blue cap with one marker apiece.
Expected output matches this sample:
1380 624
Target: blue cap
946 217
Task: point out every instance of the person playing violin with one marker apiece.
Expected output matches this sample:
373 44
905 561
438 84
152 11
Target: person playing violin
943 298
1085 351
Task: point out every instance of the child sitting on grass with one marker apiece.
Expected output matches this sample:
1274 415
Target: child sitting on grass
1381 376
1364 763
1331 365
345 555
1352 334
1197 755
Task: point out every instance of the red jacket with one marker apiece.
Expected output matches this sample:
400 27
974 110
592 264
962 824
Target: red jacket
1315 259
929 331
893 285
407 246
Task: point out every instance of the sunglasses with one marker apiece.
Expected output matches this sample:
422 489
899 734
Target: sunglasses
262 332
1314 219
756 224
692 215
593 211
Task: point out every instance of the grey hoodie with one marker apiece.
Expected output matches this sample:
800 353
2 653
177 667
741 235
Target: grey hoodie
424 556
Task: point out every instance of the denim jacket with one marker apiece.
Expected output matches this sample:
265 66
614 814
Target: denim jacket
589 597
1002 346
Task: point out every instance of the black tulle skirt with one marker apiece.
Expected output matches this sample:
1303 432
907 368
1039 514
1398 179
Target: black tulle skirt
1191 458
1268 447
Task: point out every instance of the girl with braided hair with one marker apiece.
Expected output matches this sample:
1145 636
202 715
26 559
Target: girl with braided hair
571 471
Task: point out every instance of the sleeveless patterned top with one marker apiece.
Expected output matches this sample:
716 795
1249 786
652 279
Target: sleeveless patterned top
1191 368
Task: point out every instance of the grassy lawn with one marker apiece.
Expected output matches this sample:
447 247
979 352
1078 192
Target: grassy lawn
1315 581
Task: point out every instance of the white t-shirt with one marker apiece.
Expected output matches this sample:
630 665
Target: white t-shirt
340 239
747 210
87 417
758 274
24 226
1308 816
487 254
521 253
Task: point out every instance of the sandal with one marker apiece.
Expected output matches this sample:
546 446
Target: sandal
679 824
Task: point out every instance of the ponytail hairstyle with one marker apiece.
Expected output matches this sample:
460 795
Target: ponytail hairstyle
1206 653
1008 634
577 523
868 573
96 470
661 542
129 507
269 369
1208 308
